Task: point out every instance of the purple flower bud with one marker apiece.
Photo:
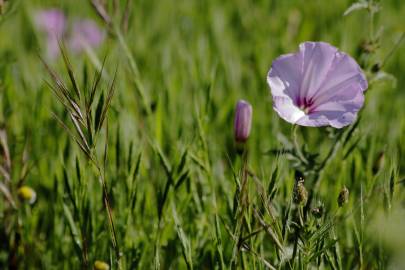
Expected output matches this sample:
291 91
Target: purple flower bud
243 121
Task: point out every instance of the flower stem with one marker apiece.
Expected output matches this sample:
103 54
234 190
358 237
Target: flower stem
242 203
297 147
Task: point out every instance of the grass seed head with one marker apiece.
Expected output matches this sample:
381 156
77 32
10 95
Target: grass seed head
317 212
300 192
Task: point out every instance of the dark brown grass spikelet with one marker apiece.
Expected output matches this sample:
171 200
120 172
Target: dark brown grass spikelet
343 197
317 212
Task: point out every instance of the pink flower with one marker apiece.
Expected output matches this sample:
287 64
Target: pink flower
53 23
317 86
85 33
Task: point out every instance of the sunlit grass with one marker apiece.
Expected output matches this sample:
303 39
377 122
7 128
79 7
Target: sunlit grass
158 183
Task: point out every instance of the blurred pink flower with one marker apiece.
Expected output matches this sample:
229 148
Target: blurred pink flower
53 23
85 33
317 86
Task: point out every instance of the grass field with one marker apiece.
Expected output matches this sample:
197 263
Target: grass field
160 183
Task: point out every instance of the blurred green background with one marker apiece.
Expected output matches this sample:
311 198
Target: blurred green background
196 59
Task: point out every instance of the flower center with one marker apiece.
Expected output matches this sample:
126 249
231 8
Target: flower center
305 104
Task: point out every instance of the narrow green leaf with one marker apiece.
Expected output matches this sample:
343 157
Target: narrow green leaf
99 109
73 229
185 243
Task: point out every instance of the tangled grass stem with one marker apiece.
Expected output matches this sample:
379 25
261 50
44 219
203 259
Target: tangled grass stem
106 199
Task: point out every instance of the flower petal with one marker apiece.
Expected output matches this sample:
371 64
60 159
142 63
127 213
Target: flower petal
344 75
286 109
318 58
336 119
335 113
284 77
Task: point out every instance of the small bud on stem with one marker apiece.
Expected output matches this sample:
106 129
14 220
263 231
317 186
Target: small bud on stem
243 121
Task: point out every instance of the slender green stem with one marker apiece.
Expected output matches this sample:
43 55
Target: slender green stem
391 52
331 154
297 146
101 173
134 68
242 202
371 20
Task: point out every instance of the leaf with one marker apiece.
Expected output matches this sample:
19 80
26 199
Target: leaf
322 232
181 179
185 243
87 226
137 166
183 161
73 229
362 4
218 242
133 185
78 174
99 109
85 81
129 158
323 249
107 103
199 162
271 189
270 231
352 147
118 148
96 81
69 69
163 160
68 187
